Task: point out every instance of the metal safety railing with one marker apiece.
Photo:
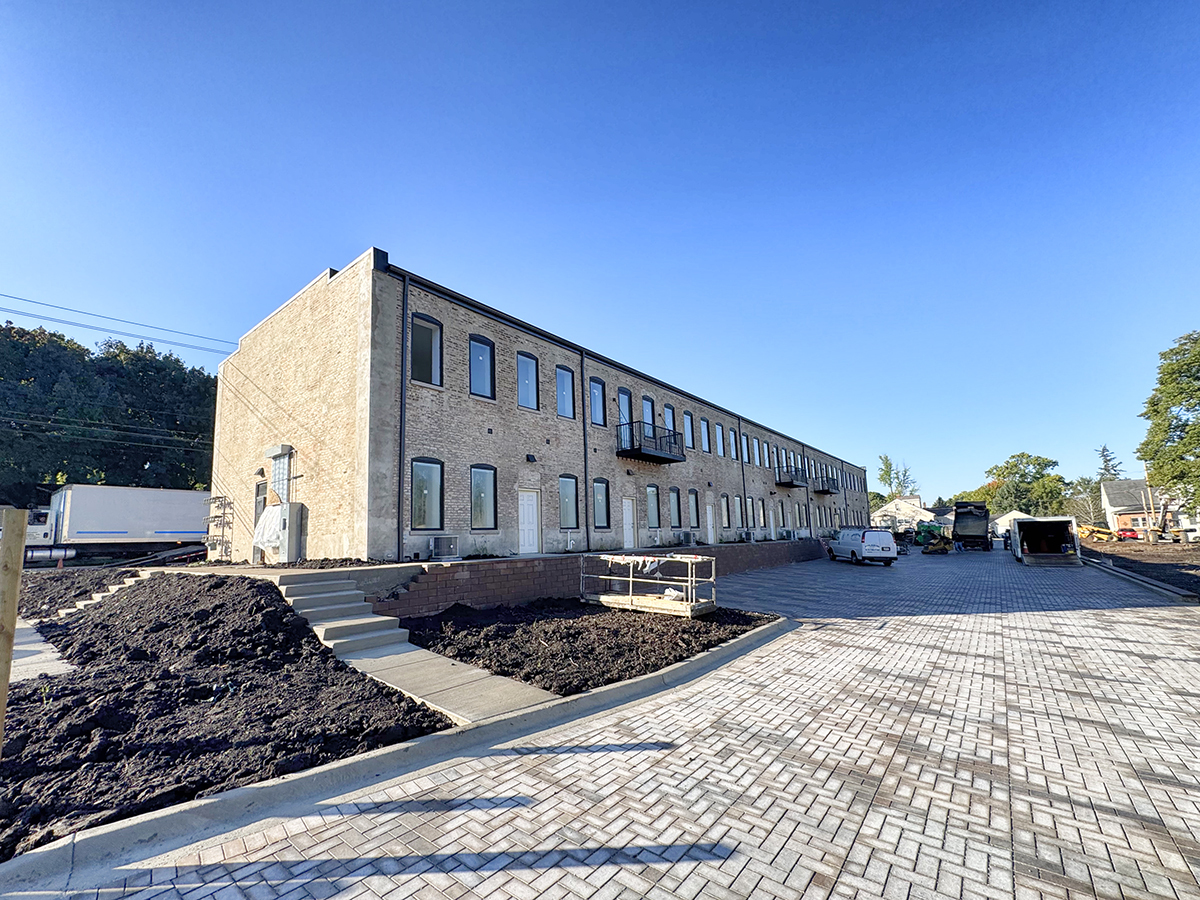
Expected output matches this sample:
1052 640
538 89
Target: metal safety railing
676 576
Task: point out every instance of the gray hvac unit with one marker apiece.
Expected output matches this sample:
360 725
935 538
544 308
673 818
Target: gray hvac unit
685 538
444 547
746 534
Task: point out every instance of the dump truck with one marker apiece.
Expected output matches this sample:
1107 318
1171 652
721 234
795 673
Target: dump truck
1046 541
971 525
115 522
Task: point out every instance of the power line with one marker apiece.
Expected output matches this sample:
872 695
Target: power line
113 441
84 312
70 421
166 412
57 427
144 337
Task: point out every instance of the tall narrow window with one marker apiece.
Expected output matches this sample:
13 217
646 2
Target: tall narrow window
766 453
600 503
596 397
648 417
624 419
689 437
527 381
782 515
669 417
652 506
568 502
483 497
426 494
673 503
483 367
693 508
762 513
750 512
565 379
724 509
733 444
800 523
720 439
704 446
281 474
426 350
737 510
745 448
757 458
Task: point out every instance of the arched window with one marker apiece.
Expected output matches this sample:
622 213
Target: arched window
673 502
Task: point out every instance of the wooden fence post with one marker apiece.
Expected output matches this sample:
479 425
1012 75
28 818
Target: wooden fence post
12 557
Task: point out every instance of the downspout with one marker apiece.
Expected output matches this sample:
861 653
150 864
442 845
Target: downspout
585 414
745 494
403 418
812 532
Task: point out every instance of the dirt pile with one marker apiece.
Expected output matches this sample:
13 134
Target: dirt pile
44 592
566 646
187 686
1173 564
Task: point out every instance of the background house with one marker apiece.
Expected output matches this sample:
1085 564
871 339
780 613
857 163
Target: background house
1127 503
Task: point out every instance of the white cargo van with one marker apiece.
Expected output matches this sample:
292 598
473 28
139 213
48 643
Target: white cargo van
860 544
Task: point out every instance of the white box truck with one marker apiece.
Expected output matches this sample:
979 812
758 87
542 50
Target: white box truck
85 520
1045 541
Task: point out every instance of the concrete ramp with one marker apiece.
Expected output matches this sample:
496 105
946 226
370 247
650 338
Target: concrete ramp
1051 559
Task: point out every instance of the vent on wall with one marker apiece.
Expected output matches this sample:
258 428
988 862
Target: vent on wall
445 547
686 538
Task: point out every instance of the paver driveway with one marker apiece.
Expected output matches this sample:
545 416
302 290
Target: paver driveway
958 726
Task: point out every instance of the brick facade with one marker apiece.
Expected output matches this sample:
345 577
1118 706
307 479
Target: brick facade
330 374
510 582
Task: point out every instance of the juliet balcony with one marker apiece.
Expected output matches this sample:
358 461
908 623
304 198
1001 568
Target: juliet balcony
649 443
788 477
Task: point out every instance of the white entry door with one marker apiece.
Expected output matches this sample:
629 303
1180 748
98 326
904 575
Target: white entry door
529 527
708 517
629 522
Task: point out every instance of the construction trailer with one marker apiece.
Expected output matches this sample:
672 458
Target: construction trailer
1045 541
111 521
972 526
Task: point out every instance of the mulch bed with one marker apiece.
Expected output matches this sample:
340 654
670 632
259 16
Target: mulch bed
186 686
1174 564
566 646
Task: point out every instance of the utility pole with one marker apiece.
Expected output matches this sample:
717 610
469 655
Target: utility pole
12 557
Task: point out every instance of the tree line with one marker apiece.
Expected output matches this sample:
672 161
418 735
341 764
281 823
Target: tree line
122 415
1027 482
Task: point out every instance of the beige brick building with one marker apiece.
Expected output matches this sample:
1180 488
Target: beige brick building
397 411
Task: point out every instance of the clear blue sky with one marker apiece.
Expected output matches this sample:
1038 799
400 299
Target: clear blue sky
944 231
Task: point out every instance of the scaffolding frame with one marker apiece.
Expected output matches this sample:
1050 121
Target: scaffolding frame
692 587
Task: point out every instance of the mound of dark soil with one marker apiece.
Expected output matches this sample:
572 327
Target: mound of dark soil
567 647
1174 564
44 592
187 686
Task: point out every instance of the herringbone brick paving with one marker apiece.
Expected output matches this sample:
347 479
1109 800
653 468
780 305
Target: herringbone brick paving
949 727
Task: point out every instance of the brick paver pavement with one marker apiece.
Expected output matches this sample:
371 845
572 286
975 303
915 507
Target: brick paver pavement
949 727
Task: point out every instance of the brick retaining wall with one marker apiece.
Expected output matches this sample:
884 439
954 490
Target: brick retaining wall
509 582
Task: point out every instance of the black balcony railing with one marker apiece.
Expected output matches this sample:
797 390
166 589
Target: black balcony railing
651 443
826 485
786 476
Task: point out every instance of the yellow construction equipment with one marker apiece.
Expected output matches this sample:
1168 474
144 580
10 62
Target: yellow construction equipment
1097 534
937 543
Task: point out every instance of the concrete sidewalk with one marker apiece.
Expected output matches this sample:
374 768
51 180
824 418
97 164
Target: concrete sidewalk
33 655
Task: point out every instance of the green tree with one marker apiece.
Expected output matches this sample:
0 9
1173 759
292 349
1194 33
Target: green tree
1083 500
897 479
1024 482
1171 449
876 500
124 415
1110 469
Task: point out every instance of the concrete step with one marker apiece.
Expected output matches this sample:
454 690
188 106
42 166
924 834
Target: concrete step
302 576
327 599
340 646
334 611
308 588
353 626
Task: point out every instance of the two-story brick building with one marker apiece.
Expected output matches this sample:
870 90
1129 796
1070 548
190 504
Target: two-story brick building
397 411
